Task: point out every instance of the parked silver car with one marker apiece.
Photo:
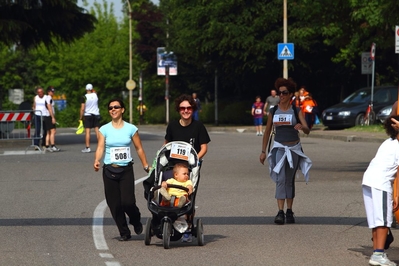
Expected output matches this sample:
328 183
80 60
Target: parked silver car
384 113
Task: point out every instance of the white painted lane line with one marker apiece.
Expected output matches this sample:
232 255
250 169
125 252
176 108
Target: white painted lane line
106 255
98 233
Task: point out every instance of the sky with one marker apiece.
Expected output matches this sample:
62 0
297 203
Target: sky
117 5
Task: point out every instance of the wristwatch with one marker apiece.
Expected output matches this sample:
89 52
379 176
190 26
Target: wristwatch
147 168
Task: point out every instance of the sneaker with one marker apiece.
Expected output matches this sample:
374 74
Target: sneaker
138 228
257 133
260 134
165 193
280 217
49 149
381 259
187 237
86 150
289 217
182 201
54 148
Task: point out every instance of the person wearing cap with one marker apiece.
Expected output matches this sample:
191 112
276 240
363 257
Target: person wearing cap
90 114
50 136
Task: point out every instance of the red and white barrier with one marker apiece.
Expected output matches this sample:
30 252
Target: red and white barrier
20 116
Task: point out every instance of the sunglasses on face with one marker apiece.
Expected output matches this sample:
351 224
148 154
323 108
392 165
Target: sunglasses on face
286 92
114 107
184 108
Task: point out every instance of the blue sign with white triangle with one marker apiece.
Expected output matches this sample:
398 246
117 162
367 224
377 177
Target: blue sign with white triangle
285 51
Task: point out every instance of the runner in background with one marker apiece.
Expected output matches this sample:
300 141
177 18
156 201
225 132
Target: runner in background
257 113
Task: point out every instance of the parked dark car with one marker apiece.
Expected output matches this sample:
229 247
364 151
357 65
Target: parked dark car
384 113
350 112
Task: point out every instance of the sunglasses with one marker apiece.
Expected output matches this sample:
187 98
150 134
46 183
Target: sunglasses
114 107
184 108
286 92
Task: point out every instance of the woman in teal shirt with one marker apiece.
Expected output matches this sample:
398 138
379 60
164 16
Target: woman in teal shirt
116 138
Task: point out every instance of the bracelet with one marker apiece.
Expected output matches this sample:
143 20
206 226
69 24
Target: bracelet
263 151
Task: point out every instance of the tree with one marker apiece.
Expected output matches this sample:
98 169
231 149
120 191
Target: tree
29 23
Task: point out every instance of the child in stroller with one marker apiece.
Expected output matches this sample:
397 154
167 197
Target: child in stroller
171 220
174 196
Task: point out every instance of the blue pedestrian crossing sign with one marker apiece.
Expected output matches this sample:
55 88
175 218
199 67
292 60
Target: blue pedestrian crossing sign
285 51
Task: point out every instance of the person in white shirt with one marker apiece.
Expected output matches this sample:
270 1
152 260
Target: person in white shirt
90 114
379 201
43 117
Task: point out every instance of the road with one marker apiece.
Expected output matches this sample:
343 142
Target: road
53 210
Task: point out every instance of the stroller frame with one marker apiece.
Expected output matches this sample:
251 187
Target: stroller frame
163 217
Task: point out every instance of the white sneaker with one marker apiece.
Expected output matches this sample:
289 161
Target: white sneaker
381 260
49 149
260 134
54 148
187 237
86 150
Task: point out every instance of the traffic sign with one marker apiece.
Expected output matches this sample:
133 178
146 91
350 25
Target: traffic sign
366 63
372 52
285 51
130 84
397 39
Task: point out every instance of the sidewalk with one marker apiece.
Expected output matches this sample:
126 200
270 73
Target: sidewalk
317 132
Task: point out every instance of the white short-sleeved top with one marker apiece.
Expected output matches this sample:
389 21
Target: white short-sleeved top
382 169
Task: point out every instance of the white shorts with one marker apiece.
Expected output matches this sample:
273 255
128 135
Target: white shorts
378 206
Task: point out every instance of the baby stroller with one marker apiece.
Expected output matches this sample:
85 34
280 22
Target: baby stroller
168 222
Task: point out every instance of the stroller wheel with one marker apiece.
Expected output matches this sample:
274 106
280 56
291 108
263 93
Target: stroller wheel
200 232
147 239
167 227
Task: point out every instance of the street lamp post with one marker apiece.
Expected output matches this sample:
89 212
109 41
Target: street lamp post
130 84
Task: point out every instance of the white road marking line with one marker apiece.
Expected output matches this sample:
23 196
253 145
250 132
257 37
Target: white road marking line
98 233
106 255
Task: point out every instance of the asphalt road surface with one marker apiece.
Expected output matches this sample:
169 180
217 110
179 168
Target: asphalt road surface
53 210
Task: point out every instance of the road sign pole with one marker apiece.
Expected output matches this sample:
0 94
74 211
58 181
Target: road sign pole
372 55
285 62
167 92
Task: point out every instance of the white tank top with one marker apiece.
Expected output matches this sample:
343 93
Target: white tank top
41 106
91 104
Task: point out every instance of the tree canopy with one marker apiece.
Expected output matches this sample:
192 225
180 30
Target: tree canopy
29 23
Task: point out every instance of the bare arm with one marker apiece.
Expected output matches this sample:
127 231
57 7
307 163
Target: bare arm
394 108
266 137
82 110
396 189
139 149
303 125
203 151
190 189
99 151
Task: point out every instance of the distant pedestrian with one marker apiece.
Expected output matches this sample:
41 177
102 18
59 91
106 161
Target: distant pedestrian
198 110
378 193
90 114
309 108
257 113
43 117
270 102
51 130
